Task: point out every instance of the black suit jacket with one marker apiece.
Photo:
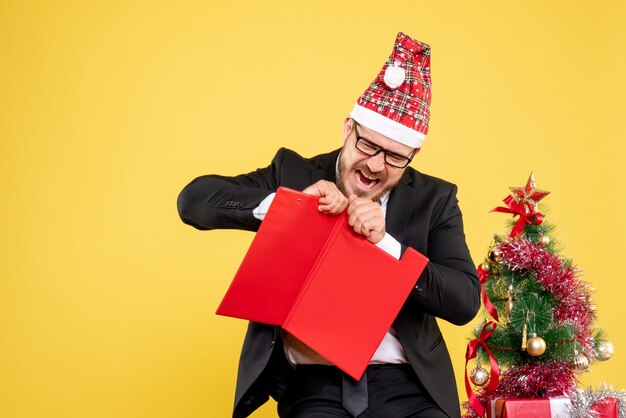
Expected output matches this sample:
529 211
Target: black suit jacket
422 213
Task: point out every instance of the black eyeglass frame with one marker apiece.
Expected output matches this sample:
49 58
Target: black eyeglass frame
378 149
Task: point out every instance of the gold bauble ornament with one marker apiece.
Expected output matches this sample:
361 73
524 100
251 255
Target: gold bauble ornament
604 349
535 346
543 240
479 376
580 362
495 255
485 267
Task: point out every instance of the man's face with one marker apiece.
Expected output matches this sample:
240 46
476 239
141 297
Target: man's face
363 175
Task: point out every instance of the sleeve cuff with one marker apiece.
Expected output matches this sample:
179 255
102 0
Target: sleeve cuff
260 211
390 246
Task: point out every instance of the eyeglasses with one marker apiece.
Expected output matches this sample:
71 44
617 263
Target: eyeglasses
367 147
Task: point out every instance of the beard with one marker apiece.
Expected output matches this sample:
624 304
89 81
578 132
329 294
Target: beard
342 172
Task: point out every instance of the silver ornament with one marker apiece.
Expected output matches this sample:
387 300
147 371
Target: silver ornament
604 349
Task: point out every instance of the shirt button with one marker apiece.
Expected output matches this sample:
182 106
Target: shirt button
419 289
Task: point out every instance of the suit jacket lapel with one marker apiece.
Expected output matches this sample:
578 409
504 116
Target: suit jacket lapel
400 207
326 168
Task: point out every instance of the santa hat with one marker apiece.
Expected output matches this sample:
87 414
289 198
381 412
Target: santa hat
397 103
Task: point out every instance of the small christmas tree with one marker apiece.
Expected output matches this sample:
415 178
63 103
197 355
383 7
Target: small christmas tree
542 333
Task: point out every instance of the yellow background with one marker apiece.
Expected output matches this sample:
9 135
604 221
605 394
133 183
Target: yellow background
109 108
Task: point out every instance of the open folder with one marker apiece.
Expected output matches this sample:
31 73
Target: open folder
310 274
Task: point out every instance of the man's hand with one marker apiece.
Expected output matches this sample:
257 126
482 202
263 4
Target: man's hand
366 218
332 201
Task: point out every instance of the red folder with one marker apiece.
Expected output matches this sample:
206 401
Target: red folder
312 275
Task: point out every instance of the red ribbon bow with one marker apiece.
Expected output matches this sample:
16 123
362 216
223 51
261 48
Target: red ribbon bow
494 374
525 218
483 276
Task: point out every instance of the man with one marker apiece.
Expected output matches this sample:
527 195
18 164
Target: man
394 207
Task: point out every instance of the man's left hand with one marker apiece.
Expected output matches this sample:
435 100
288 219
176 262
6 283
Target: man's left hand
366 218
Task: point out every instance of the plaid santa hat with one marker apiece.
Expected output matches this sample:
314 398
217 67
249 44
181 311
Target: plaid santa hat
397 103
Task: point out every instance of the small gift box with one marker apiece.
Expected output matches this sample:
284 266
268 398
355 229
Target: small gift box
530 408
606 408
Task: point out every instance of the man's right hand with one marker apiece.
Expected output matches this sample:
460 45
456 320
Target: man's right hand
331 201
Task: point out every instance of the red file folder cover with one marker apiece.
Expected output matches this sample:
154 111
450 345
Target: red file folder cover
312 275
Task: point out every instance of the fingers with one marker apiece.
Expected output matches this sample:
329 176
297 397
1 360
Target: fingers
366 218
362 216
314 189
333 204
331 201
